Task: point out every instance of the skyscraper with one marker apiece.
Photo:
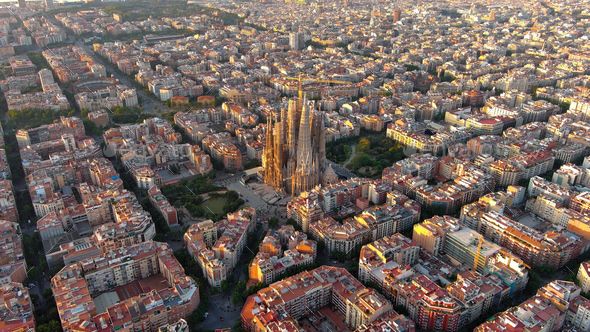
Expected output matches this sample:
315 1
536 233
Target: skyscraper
294 157
48 3
22 4
296 40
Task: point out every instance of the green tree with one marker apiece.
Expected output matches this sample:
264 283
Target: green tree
27 211
226 286
252 163
273 222
411 67
533 284
237 327
364 145
447 78
236 298
33 273
47 294
241 287
51 326
353 267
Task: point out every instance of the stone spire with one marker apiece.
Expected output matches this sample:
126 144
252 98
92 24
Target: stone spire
304 151
294 156
267 158
292 128
330 176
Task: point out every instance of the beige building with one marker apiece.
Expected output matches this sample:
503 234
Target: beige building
584 276
309 291
431 233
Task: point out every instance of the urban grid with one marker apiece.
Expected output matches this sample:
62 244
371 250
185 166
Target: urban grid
294 165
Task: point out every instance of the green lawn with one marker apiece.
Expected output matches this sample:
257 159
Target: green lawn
215 204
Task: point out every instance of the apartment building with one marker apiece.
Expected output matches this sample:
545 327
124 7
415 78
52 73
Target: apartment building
583 276
204 231
129 225
388 257
423 165
72 63
222 149
552 248
551 209
180 326
429 305
13 267
393 322
22 66
570 175
387 219
509 172
463 246
64 125
164 207
145 177
431 233
511 271
19 82
271 263
539 186
412 138
49 99
75 251
8 202
77 285
309 291
109 97
477 293
305 209
340 237
218 260
17 312
44 32
580 203
343 193
553 306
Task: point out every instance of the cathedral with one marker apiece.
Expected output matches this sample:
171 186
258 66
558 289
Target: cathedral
294 156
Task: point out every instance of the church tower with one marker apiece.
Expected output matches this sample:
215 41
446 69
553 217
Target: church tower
295 149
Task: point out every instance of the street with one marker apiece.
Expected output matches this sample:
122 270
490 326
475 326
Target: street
221 308
148 102
251 198
41 282
263 209
221 304
341 170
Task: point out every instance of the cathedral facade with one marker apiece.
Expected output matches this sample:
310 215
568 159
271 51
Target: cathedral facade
294 157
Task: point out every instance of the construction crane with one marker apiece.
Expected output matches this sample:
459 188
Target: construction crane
301 79
481 241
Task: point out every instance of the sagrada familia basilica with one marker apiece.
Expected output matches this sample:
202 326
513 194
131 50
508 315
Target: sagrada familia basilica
294 157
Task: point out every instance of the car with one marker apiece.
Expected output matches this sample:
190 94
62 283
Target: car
31 285
206 314
221 319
